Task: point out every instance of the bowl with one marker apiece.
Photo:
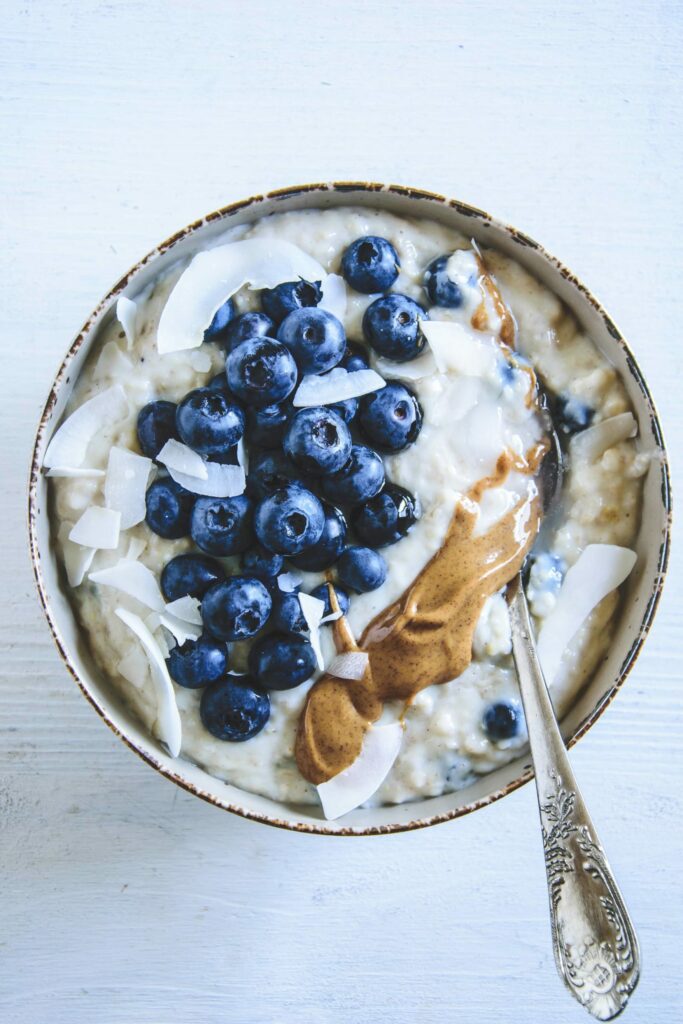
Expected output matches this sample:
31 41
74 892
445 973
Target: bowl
641 593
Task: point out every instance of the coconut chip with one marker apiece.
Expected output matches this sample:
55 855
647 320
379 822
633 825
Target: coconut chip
70 442
97 528
334 296
288 581
349 665
134 667
168 717
126 485
127 314
221 481
592 443
215 275
178 457
336 386
134 579
600 569
359 781
313 610
181 630
415 369
456 350
77 561
187 608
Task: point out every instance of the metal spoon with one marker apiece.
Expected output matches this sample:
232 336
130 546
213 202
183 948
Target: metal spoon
595 945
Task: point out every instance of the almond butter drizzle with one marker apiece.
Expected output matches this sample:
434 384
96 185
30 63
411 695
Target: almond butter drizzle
423 638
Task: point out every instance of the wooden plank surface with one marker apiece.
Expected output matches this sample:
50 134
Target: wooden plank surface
124 900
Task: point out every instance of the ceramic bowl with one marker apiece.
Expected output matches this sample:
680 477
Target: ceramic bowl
642 592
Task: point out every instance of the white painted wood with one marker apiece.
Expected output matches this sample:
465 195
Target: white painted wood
124 900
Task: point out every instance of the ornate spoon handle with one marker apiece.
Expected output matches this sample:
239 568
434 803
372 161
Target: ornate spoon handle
595 945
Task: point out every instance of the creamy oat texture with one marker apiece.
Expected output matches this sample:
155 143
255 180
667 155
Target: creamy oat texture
444 746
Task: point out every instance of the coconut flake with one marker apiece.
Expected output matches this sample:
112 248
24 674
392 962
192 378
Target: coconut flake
134 667
168 717
359 781
349 665
332 617
127 314
186 608
126 484
178 457
337 386
180 628
313 610
288 581
334 296
221 481
70 442
134 579
592 443
215 275
242 455
77 561
415 369
112 361
97 528
600 569
456 350
86 472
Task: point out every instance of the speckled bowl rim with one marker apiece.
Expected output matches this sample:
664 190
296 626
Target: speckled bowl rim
519 238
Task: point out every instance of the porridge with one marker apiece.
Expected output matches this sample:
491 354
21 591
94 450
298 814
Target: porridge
293 481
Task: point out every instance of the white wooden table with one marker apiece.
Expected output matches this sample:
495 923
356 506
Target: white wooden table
125 900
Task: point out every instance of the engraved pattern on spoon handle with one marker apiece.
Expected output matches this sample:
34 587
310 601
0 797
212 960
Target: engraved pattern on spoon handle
595 945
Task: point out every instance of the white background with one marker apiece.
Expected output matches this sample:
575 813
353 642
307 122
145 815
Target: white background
125 900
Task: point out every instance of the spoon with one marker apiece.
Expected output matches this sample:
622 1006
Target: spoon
595 945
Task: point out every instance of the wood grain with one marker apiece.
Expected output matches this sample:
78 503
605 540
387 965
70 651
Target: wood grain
125 900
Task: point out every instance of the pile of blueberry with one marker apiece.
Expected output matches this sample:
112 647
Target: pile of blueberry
316 491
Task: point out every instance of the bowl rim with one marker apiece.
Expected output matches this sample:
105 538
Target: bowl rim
349 187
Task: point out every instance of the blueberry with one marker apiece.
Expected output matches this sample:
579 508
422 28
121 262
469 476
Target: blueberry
228 457
209 421
361 569
346 409
260 562
501 721
189 574
261 371
370 264
219 383
387 517
156 426
355 357
317 440
248 325
266 426
169 508
315 338
289 520
281 662
198 662
234 711
287 615
571 415
222 526
391 325
279 302
269 472
359 479
221 319
442 291
237 608
390 418
328 548
323 594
